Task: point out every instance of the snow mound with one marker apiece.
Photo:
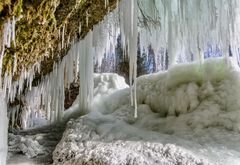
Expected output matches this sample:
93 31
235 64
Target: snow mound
187 115
212 89
105 84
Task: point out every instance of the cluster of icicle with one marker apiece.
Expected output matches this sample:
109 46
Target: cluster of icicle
183 28
8 37
12 88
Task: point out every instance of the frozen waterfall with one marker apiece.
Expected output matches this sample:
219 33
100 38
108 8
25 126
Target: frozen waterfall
183 29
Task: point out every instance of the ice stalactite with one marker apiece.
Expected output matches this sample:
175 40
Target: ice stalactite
8 37
86 52
185 28
11 88
15 88
106 3
129 32
63 37
51 90
77 63
87 18
3 129
49 95
105 37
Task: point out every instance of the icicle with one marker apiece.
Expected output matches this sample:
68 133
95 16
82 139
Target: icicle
117 6
63 36
130 33
15 63
188 26
13 30
80 28
106 3
53 95
87 18
7 37
9 34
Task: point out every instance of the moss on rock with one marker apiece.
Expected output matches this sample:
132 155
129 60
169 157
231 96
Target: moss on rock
38 27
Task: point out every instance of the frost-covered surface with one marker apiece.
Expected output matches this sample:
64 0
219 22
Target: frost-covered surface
188 115
88 141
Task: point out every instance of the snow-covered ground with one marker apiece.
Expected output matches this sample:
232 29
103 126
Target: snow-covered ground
187 115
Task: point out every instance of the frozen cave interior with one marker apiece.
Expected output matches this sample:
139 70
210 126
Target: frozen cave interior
179 105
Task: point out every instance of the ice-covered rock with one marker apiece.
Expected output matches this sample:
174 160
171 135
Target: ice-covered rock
82 143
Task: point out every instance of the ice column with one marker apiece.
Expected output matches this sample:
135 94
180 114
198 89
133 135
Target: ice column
3 129
86 52
129 32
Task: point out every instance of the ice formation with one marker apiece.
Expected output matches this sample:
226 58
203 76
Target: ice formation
170 25
186 27
104 85
3 129
187 115
182 29
86 73
168 93
186 104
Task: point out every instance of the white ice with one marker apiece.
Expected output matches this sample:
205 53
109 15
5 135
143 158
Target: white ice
187 115
3 129
104 85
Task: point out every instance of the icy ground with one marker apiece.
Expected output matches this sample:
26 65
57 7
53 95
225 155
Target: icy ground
34 146
188 115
